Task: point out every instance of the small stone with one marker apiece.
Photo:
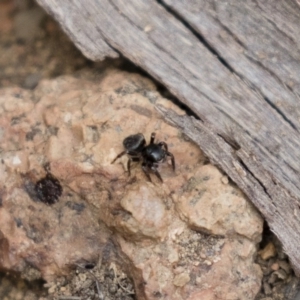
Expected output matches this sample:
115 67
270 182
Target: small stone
82 277
173 256
281 274
181 280
216 259
285 266
113 289
266 270
207 262
32 80
268 252
275 266
179 270
225 179
273 278
267 288
198 280
52 289
281 255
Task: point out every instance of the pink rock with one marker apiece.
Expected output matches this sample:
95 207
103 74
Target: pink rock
209 205
193 236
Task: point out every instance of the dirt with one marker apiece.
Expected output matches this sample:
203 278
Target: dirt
191 248
279 281
33 47
93 282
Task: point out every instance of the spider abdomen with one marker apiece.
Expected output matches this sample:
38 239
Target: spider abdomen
134 142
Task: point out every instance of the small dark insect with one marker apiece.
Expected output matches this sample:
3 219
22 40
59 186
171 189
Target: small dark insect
89 266
150 155
48 189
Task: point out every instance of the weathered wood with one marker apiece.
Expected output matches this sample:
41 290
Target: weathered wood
236 65
259 40
80 26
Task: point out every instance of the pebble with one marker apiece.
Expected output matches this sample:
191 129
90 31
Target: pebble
281 274
285 266
181 280
32 80
267 288
113 289
268 252
173 256
52 289
225 180
207 262
272 278
275 266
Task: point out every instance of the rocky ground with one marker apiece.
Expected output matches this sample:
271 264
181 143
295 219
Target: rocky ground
164 242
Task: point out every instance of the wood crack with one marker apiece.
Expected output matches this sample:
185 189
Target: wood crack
256 178
276 108
253 60
265 15
197 34
214 51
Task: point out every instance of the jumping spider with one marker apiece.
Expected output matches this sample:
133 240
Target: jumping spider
150 155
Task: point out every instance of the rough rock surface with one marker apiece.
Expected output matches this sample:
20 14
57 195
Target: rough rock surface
193 236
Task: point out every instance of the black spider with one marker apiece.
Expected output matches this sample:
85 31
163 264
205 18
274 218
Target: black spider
150 155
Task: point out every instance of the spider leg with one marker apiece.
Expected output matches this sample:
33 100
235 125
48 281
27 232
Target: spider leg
154 169
146 171
152 138
172 159
118 156
129 163
132 153
164 145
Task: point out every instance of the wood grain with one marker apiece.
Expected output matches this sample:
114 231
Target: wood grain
235 64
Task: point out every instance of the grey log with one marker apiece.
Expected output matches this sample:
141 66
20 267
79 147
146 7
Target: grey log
235 64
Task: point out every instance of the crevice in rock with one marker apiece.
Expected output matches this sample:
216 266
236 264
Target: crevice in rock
12 285
276 268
